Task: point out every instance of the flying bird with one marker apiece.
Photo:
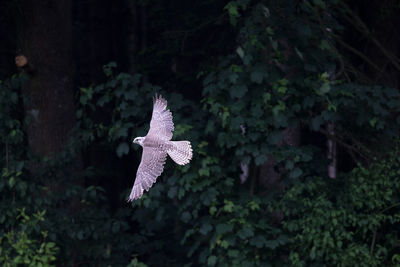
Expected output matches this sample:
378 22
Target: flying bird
157 145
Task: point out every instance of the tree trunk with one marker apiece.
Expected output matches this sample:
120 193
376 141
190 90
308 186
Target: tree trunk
269 177
46 41
132 35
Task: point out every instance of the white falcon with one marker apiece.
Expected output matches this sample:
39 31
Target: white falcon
156 145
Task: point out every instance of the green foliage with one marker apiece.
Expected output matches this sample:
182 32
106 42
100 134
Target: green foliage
11 125
252 90
77 224
212 223
136 263
280 75
125 97
352 221
89 233
20 246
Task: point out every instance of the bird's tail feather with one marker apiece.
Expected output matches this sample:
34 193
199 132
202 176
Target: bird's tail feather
181 152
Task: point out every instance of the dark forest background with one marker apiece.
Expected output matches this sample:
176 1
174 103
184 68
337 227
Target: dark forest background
292 108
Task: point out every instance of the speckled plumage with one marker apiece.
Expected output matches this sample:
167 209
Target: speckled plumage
156 145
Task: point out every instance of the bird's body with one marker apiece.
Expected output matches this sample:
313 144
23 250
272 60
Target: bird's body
157 145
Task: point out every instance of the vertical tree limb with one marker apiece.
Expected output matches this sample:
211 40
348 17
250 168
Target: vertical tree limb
331 143
46 37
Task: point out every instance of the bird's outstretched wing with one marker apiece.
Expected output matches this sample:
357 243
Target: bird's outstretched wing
161 124
151 166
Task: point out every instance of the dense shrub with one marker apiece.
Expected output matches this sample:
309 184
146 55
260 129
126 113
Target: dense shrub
351 221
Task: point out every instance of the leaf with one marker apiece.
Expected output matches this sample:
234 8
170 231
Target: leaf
172 192
238 90
122 131
186 217
266 97
228 207
210 78
316 123
79 113
299 53
295 173
282 90
115 227
308 102
212 260
320 3
373 121
289 165
282 240
50 245
205 228
108 68
233 12
210 88
261 159
83 100
112 64
232 77
275 137
324 45
240 52
279 107
272 244
79 235
223 228
258 241
245 233
247 59
325 88
253 205
130 95
233 253
102 100
213 210
312 253
188 233
122 149
256 76
280 120
224 244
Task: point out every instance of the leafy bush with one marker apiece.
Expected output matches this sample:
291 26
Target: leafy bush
75 221
19 246
211 222
351 221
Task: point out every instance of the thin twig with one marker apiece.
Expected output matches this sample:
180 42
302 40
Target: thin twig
6 155
358 53
350 147
253 180
195 28
375 232
332 156
371 250
388 208
367 33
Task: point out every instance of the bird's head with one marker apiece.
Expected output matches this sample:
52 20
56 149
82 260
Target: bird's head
139 140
